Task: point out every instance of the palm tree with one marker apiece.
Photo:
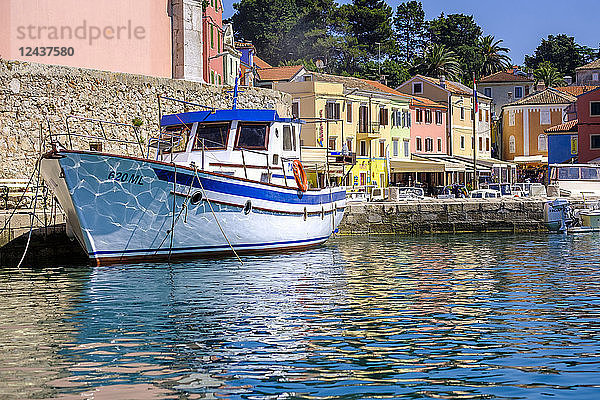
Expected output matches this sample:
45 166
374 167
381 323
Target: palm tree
547 73
493 58
438 60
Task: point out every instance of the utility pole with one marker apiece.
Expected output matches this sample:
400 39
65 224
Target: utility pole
378 60
475 182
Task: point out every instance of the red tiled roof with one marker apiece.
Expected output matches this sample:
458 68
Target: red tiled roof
453 87
593 65
545 97
260 63
425 102
284 73
576 90
570 126
504 76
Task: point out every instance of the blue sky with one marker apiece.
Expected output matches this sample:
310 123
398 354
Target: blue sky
521 24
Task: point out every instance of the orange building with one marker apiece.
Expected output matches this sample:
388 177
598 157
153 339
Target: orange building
524 122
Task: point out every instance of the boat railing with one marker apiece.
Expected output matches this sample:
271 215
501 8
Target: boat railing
69 135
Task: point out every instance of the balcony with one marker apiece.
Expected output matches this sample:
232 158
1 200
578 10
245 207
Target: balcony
372 130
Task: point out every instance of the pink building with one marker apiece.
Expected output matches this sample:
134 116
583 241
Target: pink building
428 126
165 38
213 42
588 127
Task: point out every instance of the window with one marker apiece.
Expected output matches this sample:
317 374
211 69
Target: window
296 109
419 116
332 110
512 144
542 142
212 77
180 135
406 148
332 141
462 142
438 117
595 76
544 117
480 115
363 147
429 144
439 149
395 147
382 148
307 78
287 138
252 136
408 119
462 113
427 116
383 116
518 92
487 116
594 142
214 136
487 91
219 79
511 118
417 88
218 41
480 144
349 145
594 108
419 144
212 37
487 144
348 111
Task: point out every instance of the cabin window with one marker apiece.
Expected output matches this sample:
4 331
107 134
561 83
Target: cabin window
589 173
294 138
287 138
214 136
568 173
252 136
179 134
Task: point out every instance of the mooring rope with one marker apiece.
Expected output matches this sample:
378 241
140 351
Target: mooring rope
215 215
37 187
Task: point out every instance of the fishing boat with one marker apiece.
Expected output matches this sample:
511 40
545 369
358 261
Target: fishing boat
213 181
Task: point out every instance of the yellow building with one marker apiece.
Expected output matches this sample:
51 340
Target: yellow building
363 126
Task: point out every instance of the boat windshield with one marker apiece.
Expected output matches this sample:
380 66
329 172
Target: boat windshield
214 136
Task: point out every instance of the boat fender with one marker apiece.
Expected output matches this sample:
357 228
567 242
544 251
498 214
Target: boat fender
300 176
247 207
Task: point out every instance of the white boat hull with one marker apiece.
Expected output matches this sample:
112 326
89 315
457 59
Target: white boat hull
123 209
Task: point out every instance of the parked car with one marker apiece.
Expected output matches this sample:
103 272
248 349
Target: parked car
486 194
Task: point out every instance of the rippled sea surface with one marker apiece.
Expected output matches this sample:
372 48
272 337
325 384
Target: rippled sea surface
450 317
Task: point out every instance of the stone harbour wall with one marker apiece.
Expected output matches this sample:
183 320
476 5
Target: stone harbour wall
444 216
35 98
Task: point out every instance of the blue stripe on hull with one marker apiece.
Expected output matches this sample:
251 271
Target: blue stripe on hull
248 191
209 248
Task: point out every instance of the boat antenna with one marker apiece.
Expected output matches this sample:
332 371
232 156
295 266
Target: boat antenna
235 91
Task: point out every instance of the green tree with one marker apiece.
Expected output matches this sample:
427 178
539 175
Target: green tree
409 22
438 60
561 51
494 57
548 73
460 33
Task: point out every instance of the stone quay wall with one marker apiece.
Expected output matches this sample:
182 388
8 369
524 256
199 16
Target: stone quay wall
35 98
444 216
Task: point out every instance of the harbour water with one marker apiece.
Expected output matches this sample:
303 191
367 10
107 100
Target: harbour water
453 317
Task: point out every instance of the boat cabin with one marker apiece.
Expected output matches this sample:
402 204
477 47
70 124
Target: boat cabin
576 179
257 145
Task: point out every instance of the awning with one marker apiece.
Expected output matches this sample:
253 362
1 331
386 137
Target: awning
449 165
416 166
531 160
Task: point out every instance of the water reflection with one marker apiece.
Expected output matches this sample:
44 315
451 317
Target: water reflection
434 317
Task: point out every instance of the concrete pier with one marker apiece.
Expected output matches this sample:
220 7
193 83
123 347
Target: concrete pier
445 216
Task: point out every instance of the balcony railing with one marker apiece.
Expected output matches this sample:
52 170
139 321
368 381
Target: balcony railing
372 129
